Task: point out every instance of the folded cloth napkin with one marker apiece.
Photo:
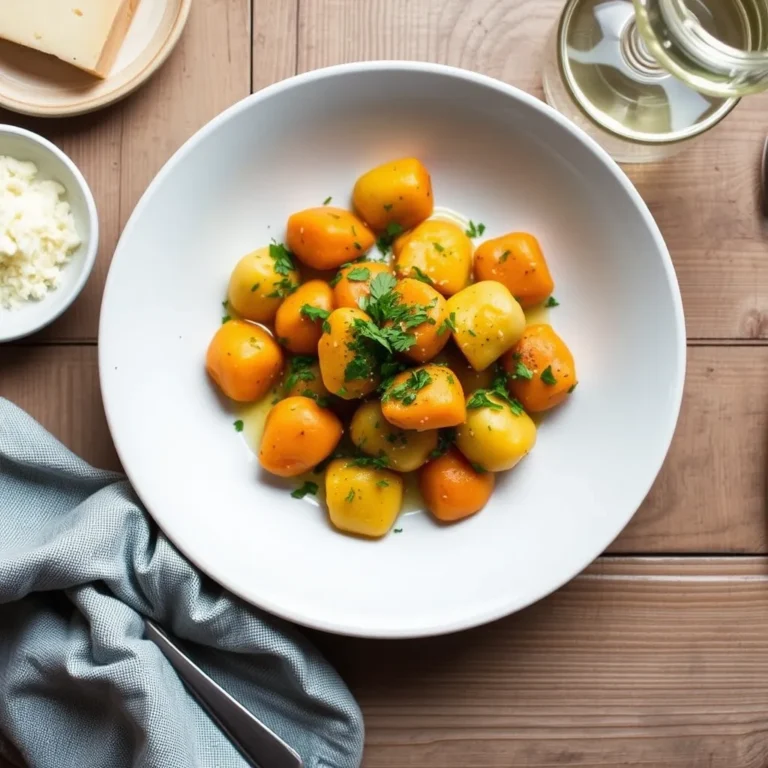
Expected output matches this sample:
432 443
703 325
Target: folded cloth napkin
80 565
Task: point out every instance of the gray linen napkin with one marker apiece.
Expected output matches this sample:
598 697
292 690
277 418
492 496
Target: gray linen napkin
80 564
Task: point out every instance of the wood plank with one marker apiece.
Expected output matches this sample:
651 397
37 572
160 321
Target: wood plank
274 41
711 493
709 497
705 199
59 386
639 662
121 148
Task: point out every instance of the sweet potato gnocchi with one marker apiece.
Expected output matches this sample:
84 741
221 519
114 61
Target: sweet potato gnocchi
389 347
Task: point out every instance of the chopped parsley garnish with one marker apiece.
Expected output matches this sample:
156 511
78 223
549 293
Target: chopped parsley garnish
397 530
282 257
387 207
282 288
471 332
377 462
323 402
439 248
334 215
225 303
387 238
474 230
358 246
479 468
551 302
449 324
480 399
225 319
350 496
522 371
572 387
255 287
382 484
445 439
299 370
326 326
358 274
504 256
407 391
548 377
418 274
238 425
315 313
307 487
342 392
334 281
327 200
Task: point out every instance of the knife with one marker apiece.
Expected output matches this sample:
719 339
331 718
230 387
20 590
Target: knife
259 745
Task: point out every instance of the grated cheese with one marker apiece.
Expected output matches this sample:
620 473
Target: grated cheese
37 233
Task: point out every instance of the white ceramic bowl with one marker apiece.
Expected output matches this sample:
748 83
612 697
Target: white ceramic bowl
52 163
499 156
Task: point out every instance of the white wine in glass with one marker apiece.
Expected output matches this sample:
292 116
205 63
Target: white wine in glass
643 77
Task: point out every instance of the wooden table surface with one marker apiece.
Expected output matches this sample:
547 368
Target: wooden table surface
658 654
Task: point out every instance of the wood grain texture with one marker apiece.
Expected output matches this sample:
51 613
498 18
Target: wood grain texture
710 496
59 386
121 148
275 52
657 663
711 493
705 199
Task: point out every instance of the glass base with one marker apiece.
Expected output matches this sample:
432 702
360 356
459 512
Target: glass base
600 74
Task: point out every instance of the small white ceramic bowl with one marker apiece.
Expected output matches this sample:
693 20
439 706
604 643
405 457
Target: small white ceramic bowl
52 163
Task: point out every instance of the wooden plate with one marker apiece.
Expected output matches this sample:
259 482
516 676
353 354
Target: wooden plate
34 83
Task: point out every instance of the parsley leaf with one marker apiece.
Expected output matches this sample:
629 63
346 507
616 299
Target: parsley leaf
282 288
548 377
255 287
479 468
417 274
504 256
358 274
480 399
238 425
283 258
334 281
406 391
314 313
572 387
382 484
439 248
474 230
350 496
225 319
397 530
551 302
299 369
386 239
522 371
377 462
307 487
449 324
387 207
327 200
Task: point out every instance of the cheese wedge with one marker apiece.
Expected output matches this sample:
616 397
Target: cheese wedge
85 33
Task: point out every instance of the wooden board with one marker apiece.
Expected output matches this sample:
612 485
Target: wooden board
656 663
710 496
121 148
705 200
